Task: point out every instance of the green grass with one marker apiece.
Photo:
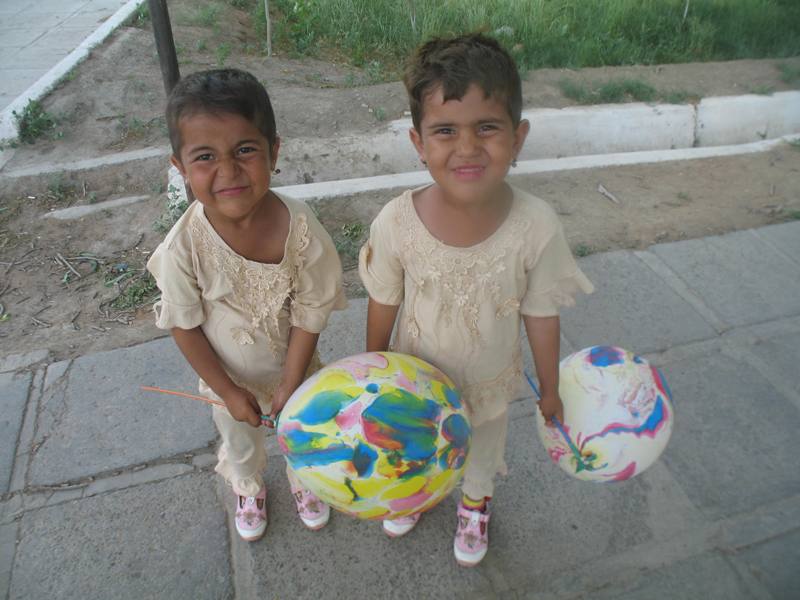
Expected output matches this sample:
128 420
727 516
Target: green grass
542 33
582 250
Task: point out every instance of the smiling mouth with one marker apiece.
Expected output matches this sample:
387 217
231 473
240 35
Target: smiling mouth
469 172
231 191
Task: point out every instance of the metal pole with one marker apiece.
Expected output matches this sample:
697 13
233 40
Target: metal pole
165 44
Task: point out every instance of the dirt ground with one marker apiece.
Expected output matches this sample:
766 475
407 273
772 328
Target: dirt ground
78 286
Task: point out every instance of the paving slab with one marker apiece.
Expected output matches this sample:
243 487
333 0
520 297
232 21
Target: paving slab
707 576
781 354
350 558
346 333
631 307
14 390
732 447
94 418
163 540
775 564
547 523
14 362
785 237
741 277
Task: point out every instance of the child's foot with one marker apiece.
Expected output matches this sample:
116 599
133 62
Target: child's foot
313 512
251 515
472 535
401 526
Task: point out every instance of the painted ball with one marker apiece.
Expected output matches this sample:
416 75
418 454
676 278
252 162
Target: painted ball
618 415
379 435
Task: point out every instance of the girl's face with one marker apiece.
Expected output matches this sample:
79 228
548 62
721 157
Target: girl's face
468 144
227 162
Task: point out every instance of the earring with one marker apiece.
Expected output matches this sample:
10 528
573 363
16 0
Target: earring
424 162
513 162
276 171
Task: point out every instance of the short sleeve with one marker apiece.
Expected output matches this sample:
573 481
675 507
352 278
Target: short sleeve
318 289
379 266
554 279
181 304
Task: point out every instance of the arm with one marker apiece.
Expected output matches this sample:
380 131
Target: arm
298 356
380 322
544 338
194 345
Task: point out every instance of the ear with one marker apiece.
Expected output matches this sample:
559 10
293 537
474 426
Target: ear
273 152
176 162
520 135
416 139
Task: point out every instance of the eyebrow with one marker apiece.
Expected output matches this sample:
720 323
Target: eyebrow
448 124
194 149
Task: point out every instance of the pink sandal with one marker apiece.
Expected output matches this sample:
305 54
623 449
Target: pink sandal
472 535
313 512
251 515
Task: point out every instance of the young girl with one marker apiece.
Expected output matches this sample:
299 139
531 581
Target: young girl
247 278
467 258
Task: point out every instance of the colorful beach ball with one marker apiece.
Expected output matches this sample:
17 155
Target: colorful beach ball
378 435
617 415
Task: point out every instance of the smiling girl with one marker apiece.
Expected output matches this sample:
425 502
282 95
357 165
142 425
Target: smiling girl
465 259
247 278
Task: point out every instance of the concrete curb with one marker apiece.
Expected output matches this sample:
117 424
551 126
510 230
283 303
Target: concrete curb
8 125
346 187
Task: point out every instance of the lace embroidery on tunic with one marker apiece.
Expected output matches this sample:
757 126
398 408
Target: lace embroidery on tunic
259 289
467 279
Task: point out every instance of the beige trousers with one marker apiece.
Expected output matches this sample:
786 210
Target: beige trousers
486 458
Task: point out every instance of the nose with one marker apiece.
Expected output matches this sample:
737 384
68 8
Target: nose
467 143
228 168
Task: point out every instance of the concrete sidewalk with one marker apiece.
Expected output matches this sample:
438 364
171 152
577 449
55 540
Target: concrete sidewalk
35 36
110 493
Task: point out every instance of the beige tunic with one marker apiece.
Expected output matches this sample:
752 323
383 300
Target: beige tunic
246 308
461 307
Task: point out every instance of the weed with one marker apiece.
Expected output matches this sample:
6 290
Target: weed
610 92
763 90
91 197
379 113
683 196
582 250
794 214
139 291
679 97
223 52
59 189
789 74
176 206
348 241
201 46
208 15
35 122
795 143
240 4
140 17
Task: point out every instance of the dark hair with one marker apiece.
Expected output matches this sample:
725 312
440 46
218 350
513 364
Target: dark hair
220 91
455 64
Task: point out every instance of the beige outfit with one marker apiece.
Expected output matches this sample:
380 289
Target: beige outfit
246 309
461 307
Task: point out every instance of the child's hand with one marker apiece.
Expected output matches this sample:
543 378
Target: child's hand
550 406
279 399
243 406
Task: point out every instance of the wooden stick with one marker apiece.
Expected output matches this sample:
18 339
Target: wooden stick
148 388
